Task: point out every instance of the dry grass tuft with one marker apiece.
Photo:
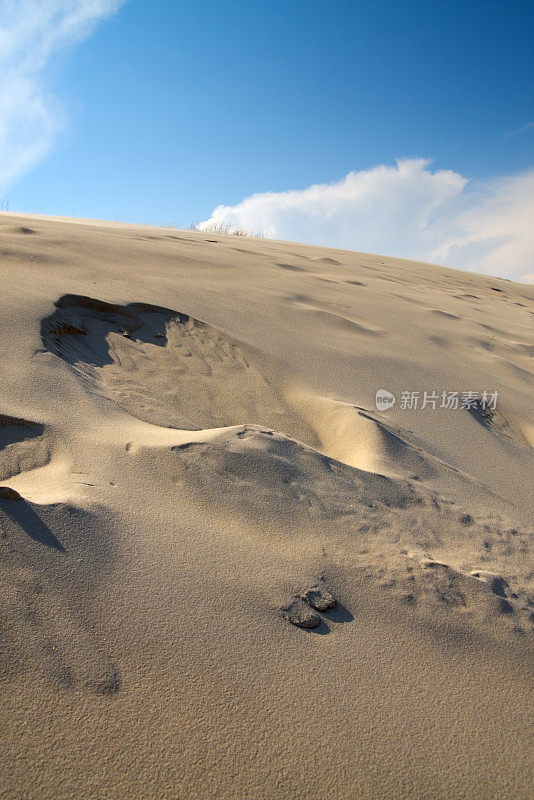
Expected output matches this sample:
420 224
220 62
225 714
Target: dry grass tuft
227 229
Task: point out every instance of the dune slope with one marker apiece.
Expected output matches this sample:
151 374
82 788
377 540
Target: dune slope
225 572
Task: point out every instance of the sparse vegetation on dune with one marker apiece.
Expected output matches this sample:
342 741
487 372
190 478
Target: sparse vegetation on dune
226 228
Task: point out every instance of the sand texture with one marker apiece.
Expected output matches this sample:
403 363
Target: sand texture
223 572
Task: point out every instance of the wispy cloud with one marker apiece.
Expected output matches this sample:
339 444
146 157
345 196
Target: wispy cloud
406 210
528 127
31 33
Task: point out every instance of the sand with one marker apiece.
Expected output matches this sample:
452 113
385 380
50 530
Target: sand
224 572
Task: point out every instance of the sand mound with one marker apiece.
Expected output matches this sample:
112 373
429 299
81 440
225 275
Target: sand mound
360 438
267 473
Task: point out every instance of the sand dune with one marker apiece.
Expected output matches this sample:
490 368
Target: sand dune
225 572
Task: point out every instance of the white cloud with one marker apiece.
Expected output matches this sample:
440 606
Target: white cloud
405 210
31 32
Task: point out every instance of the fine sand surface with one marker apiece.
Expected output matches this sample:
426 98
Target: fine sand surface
193 470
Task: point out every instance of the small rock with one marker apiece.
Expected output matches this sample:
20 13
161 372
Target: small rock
299 613
319 597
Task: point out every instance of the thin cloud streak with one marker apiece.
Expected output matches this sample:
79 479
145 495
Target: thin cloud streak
406 210
31 33
528 127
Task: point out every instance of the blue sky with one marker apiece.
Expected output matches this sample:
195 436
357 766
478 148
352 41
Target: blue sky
160 111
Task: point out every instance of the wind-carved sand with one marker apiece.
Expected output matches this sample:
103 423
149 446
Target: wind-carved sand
223 572
166 368
163 366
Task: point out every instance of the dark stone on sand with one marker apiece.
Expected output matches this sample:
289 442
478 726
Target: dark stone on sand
319 597
300 614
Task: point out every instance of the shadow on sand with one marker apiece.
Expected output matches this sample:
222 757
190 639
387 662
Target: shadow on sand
21 512
338 614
